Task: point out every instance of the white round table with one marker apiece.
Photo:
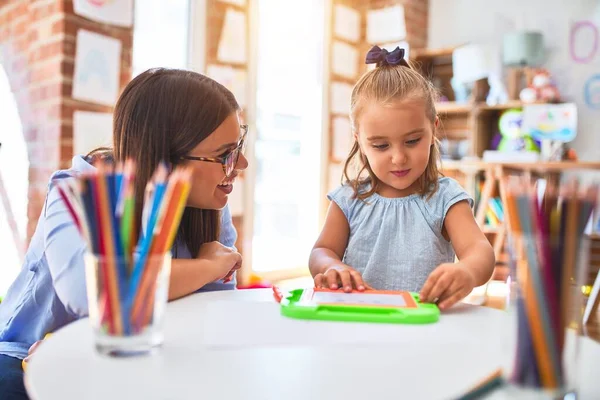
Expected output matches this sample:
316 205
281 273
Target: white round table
235 345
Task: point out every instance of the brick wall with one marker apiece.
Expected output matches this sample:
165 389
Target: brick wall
38 39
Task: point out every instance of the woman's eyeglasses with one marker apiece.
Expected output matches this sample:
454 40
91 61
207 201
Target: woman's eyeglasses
229 160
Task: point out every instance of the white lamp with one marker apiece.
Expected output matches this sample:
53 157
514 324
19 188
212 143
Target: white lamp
521 51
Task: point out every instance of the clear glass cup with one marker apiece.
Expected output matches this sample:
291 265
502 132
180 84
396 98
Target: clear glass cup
126 318
543 321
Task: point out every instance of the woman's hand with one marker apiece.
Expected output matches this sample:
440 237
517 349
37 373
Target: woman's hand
447 285
223 261
31 350
340 276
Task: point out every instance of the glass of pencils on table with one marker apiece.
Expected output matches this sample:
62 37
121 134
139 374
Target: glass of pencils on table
549 252
127 273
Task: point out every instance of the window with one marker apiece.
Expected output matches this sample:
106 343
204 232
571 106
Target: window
160 34
289 124
13 186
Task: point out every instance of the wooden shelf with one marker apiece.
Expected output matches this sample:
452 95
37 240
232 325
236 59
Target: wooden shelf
452 107
420 54
502 107
542 166
555 166
464 165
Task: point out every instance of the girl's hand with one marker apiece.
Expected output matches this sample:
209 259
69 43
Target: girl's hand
340 275
223 260
447 284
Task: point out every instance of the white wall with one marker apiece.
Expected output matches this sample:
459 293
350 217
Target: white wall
454 22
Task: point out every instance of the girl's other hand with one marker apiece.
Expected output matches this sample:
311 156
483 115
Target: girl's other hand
340 276
447 285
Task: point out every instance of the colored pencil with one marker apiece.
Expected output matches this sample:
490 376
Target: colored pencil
102 207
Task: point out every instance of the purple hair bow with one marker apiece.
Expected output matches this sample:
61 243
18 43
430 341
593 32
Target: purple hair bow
377 54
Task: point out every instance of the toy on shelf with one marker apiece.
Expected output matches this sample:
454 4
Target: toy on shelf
541 89
512 137
551 124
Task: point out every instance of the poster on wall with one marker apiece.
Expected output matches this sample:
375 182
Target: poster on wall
344 60
342 138
232 43
386 25
91 130
346 23
114 12
340 98
97 68
233 79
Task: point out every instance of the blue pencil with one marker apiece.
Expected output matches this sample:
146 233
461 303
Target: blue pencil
143 248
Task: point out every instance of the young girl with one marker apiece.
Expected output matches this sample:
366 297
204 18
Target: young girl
396 224
180 117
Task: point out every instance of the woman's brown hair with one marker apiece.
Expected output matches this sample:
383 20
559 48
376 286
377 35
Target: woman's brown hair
384 85
161 116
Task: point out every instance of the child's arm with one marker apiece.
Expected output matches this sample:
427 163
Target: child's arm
450 283
325 262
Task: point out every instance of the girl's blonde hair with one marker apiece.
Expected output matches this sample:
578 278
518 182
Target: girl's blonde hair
384 85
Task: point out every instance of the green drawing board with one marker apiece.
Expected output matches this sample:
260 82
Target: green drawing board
395 307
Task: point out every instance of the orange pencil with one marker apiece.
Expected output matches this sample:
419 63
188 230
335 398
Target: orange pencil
164 242
167 214
542 350
109 253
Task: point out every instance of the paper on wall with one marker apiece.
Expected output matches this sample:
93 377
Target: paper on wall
115 12
344 60
232 42
346 23
342 138
386 25
97 68
340 98
91 130
233 79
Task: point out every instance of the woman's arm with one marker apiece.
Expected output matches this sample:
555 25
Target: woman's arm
214 262
64 249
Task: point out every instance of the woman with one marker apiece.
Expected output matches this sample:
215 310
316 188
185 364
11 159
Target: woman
177 116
